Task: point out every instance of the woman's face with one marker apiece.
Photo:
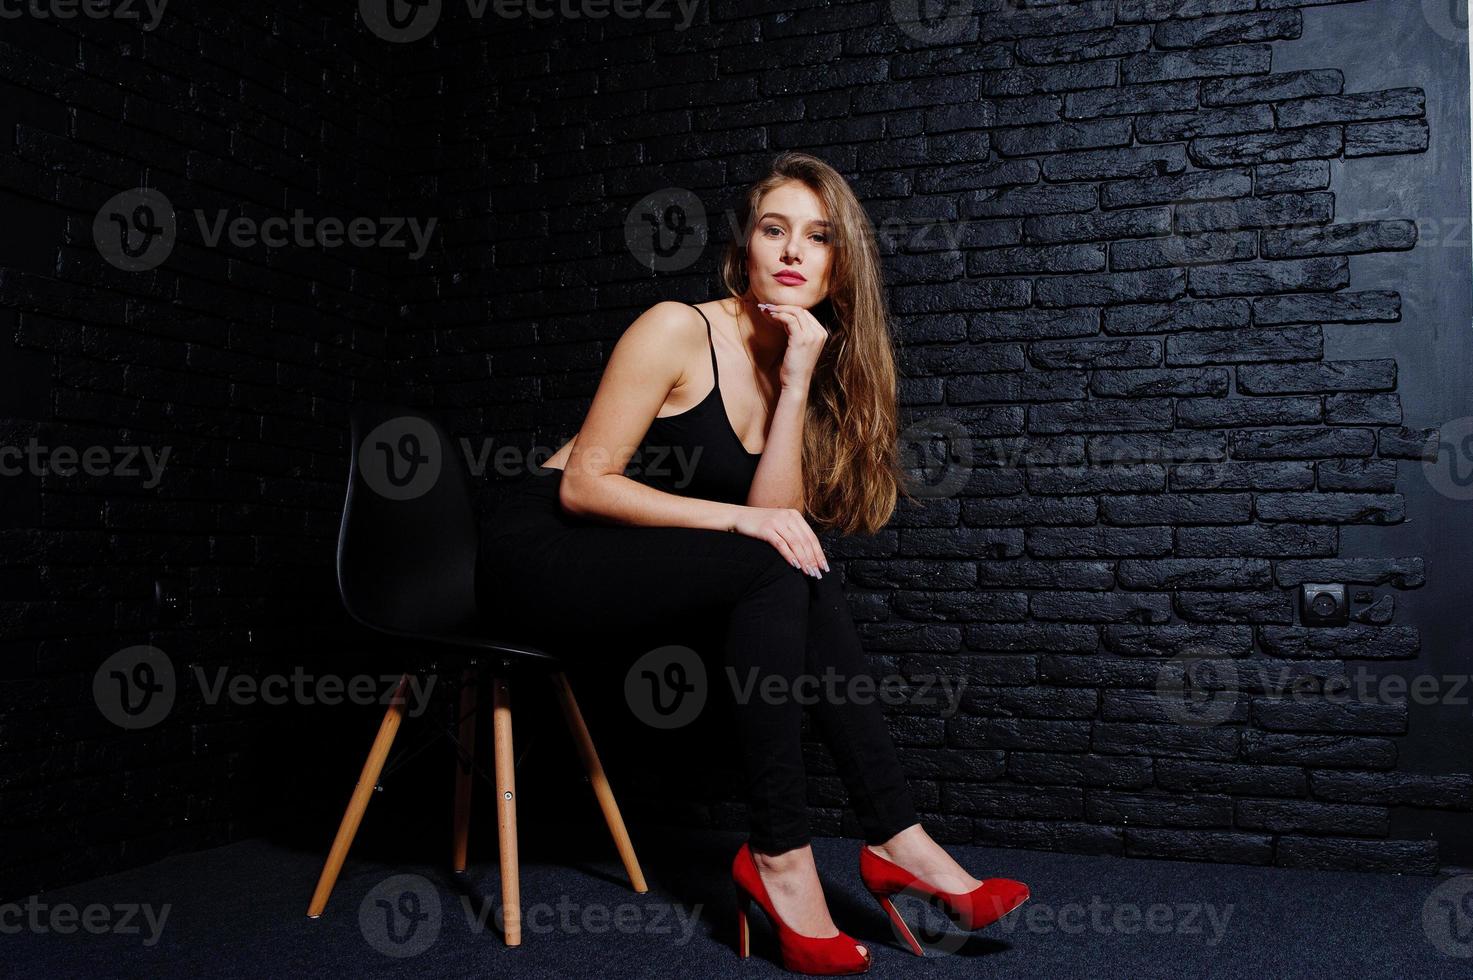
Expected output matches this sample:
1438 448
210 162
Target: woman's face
790 247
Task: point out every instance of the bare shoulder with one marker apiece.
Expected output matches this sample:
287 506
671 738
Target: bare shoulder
667 333
667 321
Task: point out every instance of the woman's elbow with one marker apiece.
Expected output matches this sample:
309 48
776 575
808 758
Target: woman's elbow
579 495
567 494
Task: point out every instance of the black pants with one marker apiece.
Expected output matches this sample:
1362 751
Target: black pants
542 566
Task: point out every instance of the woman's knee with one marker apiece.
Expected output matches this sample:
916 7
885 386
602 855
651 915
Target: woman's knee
770 562
777 581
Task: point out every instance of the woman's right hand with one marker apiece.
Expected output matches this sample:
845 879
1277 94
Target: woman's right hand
785 529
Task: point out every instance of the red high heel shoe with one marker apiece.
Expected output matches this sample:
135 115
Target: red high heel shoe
981 906
827 955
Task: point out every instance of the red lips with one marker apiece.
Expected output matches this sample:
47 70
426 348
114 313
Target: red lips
790 278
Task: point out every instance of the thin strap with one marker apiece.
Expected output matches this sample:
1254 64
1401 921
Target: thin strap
716 375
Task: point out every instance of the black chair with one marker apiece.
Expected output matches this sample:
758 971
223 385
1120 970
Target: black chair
406 568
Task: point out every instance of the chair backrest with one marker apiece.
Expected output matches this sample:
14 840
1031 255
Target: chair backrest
409 539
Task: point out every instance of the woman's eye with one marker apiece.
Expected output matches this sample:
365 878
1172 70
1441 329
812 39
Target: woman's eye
772 228
821 238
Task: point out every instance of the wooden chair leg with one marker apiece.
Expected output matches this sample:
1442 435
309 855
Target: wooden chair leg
388 728
601 788
506 813
464 769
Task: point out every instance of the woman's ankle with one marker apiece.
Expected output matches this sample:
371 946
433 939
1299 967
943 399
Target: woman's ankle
789 862
897 844
795 854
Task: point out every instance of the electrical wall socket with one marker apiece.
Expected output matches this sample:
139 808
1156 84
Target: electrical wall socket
1323 605
168 599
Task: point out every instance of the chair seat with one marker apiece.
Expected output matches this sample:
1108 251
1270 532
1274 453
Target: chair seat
527 654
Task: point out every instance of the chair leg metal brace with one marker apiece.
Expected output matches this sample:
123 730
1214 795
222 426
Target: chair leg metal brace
388 728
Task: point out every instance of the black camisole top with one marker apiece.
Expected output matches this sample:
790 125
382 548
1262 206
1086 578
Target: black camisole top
696 453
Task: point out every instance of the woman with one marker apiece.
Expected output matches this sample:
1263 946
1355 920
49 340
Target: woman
803 424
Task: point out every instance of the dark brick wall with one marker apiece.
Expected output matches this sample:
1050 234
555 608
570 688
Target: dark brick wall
239 361
1114 259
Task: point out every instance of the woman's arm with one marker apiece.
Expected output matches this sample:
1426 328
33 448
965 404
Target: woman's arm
646 363
779 478
643 367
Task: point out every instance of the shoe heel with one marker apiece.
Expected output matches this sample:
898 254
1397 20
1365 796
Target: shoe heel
899 923
744 930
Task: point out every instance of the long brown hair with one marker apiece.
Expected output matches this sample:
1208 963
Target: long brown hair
852 474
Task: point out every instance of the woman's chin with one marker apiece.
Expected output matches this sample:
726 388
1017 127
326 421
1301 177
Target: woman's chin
789 297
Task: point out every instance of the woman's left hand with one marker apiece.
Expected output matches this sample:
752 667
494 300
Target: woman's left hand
806 338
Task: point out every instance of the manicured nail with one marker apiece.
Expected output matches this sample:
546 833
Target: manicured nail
825 566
